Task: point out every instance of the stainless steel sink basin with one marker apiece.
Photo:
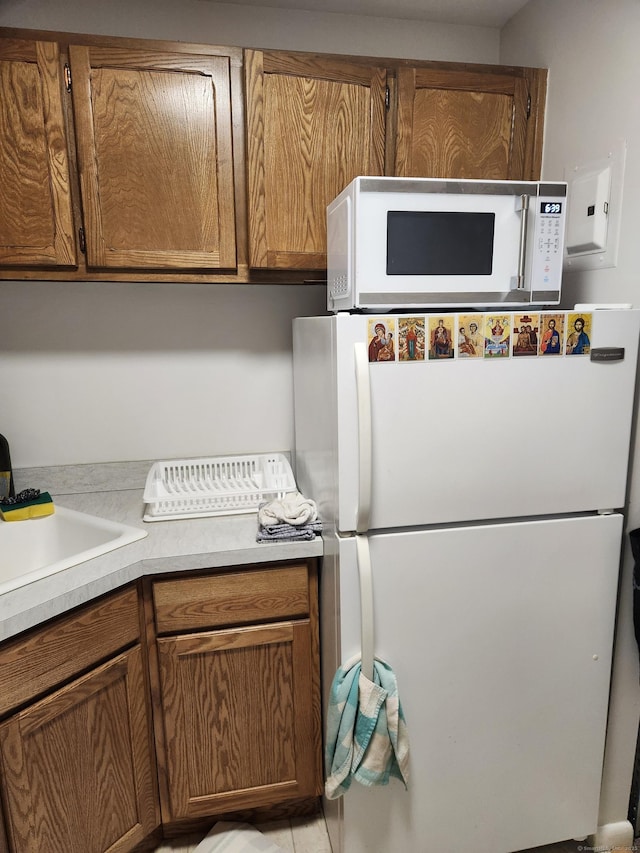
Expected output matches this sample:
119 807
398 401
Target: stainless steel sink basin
38 547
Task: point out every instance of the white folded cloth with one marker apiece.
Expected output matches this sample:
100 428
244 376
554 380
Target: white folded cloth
293 508
235 837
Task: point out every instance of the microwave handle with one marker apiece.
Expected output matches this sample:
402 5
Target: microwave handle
522 252
363 396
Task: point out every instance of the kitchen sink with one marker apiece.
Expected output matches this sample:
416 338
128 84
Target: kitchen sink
37 547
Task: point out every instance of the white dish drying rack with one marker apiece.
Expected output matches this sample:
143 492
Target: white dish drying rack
217 485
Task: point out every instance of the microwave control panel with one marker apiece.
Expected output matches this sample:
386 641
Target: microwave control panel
547 248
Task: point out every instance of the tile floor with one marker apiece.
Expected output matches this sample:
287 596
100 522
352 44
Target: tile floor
309 835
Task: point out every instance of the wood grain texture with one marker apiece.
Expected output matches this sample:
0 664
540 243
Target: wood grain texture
461 134
313 124
218 695
236 712
76 766
155 695
154 135
256 211
316 752
244 243
4 844
537 85
231 598
517 159
48 656
238 717
317 136
461 124
36 218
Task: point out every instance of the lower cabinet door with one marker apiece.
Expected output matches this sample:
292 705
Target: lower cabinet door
239 724
77 768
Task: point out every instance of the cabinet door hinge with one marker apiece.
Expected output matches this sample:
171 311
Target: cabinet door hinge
528 105
67 77
83 240
387 98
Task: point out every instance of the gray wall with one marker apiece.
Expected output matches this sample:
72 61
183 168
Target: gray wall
246 26
110 371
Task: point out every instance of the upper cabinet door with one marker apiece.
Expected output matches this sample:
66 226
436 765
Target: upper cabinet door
463 124
36 216
155 158
313 124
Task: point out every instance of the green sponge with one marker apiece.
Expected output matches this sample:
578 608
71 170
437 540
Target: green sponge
30 503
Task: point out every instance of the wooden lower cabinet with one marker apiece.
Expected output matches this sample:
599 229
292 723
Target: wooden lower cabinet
229 662
239 705
236 711
77 763
76 766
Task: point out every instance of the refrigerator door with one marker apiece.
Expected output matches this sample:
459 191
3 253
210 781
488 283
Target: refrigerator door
466 440
500 637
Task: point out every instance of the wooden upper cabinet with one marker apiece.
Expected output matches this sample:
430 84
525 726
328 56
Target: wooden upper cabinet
159 166
316 122
154 142
464 124
313 124
36 216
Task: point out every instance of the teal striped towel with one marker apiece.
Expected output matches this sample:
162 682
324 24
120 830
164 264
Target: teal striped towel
367 736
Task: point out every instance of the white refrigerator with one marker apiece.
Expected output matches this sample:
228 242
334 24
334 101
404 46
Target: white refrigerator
485 493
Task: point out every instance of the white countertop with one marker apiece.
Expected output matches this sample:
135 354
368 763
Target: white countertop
169 546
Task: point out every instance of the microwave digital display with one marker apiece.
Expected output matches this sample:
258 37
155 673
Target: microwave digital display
439 243
551 207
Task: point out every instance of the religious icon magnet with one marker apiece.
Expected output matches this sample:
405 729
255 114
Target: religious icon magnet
470 337
579 333
526 331
551 334
381 334
441 336
411 338
497 335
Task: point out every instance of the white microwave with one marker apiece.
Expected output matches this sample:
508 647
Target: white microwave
396 243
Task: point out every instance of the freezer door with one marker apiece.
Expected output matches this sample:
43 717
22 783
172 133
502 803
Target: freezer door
462 440
500 637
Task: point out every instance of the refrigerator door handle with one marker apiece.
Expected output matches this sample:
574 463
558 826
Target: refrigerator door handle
363 395
366 606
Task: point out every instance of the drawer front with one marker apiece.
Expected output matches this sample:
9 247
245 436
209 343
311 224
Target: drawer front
231 598
46 657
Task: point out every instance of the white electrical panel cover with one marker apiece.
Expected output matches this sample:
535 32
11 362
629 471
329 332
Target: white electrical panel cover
588 212
594 202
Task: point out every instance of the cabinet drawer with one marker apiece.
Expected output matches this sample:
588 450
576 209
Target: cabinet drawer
231 598
51 655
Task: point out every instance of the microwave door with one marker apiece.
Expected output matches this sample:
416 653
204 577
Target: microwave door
475 253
